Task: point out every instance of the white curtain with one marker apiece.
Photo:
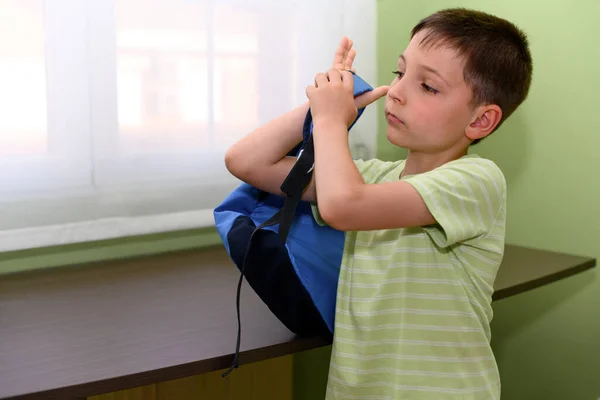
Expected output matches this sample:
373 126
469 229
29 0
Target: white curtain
115 114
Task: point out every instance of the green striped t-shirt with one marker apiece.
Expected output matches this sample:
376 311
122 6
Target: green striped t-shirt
413 306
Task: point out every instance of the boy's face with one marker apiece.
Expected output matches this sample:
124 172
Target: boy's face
428 104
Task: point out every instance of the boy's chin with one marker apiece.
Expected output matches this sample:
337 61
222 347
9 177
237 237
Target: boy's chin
397 138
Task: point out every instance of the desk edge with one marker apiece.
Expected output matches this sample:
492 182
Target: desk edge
84 390
543 281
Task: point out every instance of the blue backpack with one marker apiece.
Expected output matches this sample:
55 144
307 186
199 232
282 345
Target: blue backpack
291 262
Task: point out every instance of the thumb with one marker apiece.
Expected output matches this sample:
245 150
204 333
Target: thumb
371 96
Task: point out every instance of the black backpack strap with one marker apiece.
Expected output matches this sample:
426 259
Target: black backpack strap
293 186
271 221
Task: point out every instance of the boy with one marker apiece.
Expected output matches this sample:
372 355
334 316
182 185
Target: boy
424 235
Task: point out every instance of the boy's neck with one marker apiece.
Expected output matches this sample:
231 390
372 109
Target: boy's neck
419 162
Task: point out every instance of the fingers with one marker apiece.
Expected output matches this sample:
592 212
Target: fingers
370 97
335 75
338 58
342 53
379 92
350 59
347 79
321 79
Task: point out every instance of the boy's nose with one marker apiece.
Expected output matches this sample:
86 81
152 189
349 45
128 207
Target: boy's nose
397 92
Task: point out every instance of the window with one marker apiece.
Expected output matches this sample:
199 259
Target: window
39 139
117 113
23 80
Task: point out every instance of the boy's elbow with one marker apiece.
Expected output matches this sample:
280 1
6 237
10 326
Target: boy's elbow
337 211
230 161
243 165
235 163
331 218
336 220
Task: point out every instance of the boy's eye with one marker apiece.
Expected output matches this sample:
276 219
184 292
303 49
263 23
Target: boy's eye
425 86
429 89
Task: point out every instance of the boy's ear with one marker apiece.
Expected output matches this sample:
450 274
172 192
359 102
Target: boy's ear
486 119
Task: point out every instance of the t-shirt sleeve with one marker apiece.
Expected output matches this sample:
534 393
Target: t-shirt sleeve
369 170
464 196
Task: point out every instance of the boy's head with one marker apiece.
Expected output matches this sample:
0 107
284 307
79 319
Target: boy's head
461 76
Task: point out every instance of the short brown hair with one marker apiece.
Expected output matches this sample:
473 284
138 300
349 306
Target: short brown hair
498 64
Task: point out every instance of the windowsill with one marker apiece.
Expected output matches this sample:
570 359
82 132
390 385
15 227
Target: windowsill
106 250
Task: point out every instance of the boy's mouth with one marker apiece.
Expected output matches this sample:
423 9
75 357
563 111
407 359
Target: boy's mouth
393 119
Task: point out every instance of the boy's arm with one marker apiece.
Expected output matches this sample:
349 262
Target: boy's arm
463 197
259 158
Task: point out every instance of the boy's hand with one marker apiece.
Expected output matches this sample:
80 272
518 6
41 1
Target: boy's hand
331 99
343 60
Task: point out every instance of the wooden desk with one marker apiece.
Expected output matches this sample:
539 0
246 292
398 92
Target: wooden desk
79 331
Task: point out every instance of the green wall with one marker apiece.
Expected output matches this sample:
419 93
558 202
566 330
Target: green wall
547 341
